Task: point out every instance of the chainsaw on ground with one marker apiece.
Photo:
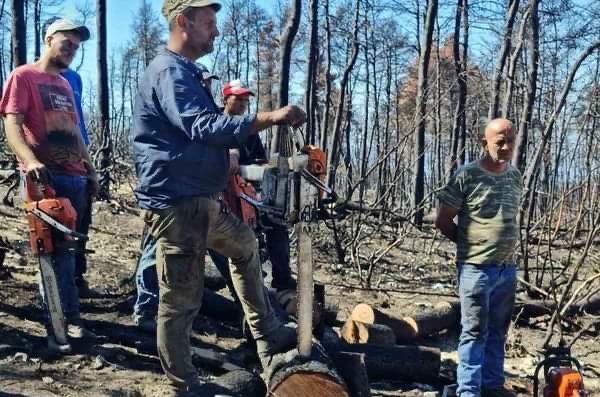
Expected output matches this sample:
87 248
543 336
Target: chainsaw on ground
51 222
563 374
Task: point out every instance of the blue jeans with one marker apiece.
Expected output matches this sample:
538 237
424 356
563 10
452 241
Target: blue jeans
278 248
84 220
146 280
487 295
75 189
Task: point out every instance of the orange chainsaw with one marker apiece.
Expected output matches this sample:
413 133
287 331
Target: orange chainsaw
563 374
51 222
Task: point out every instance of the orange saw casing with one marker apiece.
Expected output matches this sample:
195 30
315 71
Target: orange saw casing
564 382
40 233
238 206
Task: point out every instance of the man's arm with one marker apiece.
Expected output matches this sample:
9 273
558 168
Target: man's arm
186 108
13 123
445 221
291 115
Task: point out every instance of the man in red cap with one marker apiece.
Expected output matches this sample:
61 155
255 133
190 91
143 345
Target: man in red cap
235 99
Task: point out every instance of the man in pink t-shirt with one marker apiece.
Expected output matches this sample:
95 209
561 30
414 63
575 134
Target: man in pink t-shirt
42 129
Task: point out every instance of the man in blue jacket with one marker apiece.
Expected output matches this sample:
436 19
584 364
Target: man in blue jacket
180 144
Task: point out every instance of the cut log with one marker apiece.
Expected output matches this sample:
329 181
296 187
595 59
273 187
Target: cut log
357 332
303 384
291 375
445 315
351 367
408 363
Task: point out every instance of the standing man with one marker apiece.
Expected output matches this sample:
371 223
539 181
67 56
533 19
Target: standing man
146 281
180 146
485 196
236 99
42 129
84 219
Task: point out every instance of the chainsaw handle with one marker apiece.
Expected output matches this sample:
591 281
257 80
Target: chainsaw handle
37 190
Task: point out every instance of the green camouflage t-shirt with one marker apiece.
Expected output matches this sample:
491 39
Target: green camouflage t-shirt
487 221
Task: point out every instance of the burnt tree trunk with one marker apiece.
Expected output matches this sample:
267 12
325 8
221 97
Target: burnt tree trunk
313 59
37 15
105 153
521 142
333 156
459 128
511 13
19 34
420 113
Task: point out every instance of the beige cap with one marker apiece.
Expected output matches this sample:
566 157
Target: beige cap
172 8
64 25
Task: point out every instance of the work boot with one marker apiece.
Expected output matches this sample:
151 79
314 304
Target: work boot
85 291
286 283
145 323
497 392
281 340
55 348
78 331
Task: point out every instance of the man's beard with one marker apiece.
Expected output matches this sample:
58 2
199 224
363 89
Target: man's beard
59 63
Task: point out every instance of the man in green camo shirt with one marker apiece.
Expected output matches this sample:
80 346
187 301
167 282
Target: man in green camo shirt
485 196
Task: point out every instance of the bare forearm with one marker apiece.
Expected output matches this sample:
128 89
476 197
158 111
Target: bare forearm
15 140
290 115
263 121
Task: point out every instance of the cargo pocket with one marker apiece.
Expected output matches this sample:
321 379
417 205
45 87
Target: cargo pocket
179 266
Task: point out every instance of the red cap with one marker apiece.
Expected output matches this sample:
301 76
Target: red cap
235 87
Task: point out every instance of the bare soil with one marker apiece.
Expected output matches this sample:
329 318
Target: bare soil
416 276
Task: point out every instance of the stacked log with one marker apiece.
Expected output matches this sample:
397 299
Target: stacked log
359 332
445 315
385 362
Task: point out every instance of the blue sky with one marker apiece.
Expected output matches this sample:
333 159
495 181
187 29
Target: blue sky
120 14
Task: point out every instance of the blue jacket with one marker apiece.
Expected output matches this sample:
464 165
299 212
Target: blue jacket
179 136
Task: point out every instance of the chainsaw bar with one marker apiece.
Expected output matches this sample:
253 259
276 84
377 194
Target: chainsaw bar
50 283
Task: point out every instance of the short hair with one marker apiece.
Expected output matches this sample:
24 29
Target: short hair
188 13
47 24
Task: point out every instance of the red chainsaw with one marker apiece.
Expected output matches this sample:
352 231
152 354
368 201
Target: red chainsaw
51 221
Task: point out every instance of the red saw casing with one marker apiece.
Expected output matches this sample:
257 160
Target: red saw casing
59 209
564 382
238 206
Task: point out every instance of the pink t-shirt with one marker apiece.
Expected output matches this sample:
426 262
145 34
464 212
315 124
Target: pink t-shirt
51 124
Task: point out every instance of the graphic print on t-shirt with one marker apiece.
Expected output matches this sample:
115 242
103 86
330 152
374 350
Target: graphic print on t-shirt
63 134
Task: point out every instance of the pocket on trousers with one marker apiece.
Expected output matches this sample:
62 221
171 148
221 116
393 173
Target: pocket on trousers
180 265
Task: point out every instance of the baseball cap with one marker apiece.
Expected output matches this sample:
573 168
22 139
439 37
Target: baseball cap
65 25
172 8
235 87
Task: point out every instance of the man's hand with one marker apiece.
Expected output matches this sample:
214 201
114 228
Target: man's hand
291 115
37 172
93 186
445 221
234 161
